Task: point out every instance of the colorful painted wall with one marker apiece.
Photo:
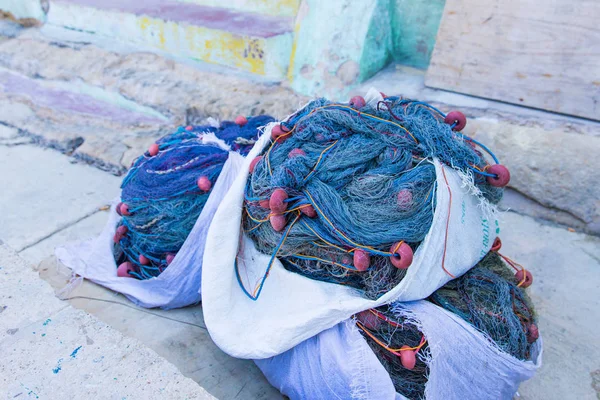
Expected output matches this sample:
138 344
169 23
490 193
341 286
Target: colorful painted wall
320 47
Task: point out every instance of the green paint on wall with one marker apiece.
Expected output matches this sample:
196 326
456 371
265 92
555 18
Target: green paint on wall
415 25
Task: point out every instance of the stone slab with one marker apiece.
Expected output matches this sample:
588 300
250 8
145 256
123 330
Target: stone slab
129 84
79 356
24 298
86 228
566 283
555 168
51 350
45 193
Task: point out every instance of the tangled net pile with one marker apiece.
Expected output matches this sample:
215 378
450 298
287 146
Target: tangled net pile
346 192
165 191
488 297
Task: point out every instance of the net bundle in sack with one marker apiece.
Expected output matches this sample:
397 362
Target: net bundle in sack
167 188
488 298
346 192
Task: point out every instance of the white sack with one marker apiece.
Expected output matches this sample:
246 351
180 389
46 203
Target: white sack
293 308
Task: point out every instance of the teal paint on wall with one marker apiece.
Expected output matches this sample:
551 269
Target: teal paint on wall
24 8
338 44
415 25
378 50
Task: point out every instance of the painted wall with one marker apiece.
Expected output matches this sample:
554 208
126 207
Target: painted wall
340 43
255 43
322 47
415 25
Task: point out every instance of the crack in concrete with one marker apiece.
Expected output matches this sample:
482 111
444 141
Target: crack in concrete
111 168
596 258
58 230
548 207
68 148
14 144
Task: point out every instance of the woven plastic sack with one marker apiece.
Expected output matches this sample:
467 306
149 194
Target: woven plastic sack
463 363
179 284
293 308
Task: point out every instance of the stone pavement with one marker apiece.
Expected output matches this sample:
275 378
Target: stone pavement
46 194
179 336
51 350
566 283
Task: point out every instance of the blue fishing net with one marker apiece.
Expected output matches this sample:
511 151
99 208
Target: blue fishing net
162 193
357 184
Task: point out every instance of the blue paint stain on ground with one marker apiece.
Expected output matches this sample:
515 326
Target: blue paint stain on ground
47 322
29 392
74 353
58 367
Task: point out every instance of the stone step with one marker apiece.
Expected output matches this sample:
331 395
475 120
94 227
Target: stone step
255 43
106 107
77 118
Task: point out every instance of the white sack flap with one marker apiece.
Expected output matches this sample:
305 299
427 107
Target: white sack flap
338 363
464 363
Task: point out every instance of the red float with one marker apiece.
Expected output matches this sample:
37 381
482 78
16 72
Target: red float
457 119
124 269
402 255
362 260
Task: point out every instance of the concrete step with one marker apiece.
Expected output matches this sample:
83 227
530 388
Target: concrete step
260 44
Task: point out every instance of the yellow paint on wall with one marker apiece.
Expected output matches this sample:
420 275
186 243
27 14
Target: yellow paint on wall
225 48
205 44
153 27
297 25
144 23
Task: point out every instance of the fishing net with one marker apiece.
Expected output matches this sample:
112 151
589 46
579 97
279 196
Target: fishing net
346 192
166 189
489 297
